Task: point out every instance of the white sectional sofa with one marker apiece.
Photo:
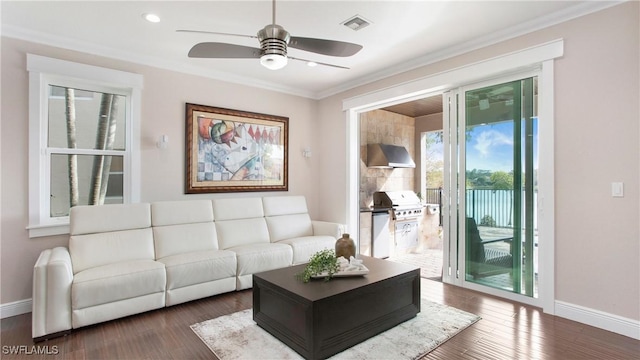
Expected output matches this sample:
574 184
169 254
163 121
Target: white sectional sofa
130 258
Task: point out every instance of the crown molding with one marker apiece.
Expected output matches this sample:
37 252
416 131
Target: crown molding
117 54
480 42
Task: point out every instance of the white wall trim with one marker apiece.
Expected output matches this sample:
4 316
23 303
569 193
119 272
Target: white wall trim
15 308
546 187
101 75
600 319
514 62
44 71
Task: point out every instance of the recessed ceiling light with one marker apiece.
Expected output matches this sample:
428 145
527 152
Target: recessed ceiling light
151 18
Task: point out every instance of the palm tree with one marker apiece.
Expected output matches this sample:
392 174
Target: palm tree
70 112
104 141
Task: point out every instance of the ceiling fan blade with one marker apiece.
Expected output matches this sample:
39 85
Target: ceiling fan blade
216 33
223 51
319 63
324 47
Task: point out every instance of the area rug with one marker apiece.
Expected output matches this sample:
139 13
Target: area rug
237 336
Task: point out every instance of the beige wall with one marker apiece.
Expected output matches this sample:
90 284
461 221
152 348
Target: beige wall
163 111
597 139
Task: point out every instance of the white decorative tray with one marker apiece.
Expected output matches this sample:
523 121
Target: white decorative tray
365 271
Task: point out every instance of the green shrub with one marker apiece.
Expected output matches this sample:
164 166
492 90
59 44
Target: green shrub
487 220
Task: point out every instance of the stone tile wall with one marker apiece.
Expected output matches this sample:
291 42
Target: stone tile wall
379 126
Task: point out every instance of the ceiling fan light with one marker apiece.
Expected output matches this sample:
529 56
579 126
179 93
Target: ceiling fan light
273 61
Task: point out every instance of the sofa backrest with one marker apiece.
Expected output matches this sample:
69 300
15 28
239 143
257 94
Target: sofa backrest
183 226
107 234
287 217
239 221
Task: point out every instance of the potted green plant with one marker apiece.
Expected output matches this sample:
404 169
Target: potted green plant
322 262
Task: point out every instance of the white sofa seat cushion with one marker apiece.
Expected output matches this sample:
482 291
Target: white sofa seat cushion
118 281
199 267
304 247
262 257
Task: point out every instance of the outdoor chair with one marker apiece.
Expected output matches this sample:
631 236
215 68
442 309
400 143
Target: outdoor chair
485 260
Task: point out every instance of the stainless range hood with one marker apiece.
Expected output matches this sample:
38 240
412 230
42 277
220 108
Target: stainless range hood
388 156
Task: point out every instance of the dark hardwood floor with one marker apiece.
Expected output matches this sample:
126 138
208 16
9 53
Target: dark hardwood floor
508 330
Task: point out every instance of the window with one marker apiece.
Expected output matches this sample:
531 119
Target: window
83 142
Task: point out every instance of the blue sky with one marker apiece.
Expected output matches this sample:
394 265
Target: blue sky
490 147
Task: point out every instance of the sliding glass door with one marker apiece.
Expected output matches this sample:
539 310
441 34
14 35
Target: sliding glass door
492 142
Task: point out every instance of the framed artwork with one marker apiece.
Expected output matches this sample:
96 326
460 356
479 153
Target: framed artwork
233 151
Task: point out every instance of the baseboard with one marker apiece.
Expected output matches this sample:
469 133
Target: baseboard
15 308
600 319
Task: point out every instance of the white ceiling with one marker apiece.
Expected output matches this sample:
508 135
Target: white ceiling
403 34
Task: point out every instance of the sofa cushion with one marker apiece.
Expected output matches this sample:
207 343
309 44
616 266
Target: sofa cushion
289 226
118 281
93 250
198 267
165 213
91 219
304 247
255 258
284 205
237 208
186 238
183 227
232 233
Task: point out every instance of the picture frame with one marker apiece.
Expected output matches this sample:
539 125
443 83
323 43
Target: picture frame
235 151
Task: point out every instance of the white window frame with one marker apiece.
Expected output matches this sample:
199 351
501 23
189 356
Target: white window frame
44 71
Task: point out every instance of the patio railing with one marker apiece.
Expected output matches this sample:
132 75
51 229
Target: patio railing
492 208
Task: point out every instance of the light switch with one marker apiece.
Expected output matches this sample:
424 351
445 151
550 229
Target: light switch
617 189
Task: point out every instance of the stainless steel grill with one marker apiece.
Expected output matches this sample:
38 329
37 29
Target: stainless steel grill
405 204
404 208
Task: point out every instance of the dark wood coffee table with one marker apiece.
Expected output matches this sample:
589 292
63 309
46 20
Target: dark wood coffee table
319 319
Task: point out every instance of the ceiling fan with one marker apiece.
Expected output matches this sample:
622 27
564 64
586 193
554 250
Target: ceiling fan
274 40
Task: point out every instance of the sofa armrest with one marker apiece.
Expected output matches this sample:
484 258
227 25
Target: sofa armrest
327 228
52 279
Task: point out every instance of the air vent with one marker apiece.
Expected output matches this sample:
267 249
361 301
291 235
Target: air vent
356 23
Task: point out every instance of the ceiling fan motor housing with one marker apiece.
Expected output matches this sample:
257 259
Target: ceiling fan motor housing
273 40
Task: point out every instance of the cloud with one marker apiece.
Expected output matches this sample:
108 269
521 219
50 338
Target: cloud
488 140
